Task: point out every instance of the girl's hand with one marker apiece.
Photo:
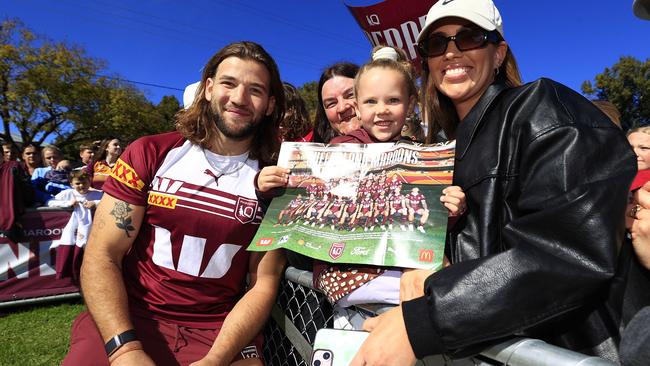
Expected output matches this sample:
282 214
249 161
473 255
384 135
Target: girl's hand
89 204
272 177
453 198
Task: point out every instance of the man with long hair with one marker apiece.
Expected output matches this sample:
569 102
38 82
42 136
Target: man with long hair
165 267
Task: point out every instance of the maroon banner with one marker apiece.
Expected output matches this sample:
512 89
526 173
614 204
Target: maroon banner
31 266
395 23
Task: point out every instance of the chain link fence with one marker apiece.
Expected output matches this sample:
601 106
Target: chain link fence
300 311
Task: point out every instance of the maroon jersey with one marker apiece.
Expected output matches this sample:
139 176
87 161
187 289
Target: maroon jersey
312 189
366 205
351 207
189 262
380 205
295 203
395 185
415 200
320 205
336 206
397 202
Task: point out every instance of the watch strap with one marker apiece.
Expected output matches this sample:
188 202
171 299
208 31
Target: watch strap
119 340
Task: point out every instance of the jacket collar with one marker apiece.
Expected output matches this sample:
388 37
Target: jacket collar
468 126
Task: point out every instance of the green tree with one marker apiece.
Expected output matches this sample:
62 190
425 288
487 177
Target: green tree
627 85
309 93
54 92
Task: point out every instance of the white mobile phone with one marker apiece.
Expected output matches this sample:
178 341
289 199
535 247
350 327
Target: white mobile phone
336 347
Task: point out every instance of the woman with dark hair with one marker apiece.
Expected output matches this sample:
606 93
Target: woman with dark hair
99 169
336 109
545 175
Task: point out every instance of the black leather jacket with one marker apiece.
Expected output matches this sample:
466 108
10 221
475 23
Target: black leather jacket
546 178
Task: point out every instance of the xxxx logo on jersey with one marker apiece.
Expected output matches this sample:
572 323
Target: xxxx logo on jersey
162 200
127 175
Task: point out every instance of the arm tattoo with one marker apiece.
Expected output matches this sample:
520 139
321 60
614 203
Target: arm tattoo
122 218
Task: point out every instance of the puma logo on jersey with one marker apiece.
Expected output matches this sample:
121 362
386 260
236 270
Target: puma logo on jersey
124 173
161 200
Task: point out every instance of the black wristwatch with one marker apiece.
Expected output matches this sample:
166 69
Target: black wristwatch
119 340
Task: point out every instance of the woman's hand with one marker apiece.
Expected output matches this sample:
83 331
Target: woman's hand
272 177
388 343
453 198
411 284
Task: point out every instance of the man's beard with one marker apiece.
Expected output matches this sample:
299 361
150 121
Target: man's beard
241 133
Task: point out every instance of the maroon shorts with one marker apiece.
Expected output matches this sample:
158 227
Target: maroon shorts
166 343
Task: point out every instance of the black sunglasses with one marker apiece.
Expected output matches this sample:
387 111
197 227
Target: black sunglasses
465 40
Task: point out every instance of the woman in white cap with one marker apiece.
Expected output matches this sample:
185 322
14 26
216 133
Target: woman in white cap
545 174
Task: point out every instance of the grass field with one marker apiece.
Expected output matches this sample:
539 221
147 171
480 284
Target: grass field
36 335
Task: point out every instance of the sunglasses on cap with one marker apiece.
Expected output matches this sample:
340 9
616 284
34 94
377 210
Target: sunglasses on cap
465 40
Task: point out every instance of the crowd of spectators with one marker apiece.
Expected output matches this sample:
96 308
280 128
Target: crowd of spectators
49 172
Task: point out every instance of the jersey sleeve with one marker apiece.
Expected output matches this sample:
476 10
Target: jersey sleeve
135 169
130 177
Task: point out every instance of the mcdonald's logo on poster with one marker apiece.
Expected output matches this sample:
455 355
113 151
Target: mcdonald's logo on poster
426 255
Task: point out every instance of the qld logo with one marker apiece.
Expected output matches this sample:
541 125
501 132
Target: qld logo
336 250
245 210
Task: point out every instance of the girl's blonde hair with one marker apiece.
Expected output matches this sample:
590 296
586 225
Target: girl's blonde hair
644 129
392 58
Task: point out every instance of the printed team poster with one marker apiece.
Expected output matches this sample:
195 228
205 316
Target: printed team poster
373 204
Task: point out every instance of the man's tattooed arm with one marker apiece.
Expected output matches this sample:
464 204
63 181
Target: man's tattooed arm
122 217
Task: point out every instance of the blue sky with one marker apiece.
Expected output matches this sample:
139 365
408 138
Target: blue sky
166 42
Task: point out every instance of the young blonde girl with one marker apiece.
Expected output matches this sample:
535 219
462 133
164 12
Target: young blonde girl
386 95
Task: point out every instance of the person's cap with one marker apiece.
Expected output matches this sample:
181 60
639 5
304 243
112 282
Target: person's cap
642 9
189 94
480 12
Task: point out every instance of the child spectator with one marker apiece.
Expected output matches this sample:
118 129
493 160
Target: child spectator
52 156
80 192
86 154
57 179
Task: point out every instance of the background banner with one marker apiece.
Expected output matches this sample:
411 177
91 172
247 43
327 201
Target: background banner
33 266
395 23
375 204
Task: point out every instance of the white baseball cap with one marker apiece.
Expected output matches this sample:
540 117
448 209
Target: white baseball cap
189 94
642 9
480 12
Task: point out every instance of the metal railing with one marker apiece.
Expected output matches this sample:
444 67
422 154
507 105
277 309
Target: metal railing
301 310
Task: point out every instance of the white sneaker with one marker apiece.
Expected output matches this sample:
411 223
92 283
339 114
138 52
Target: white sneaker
421 229
411 227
